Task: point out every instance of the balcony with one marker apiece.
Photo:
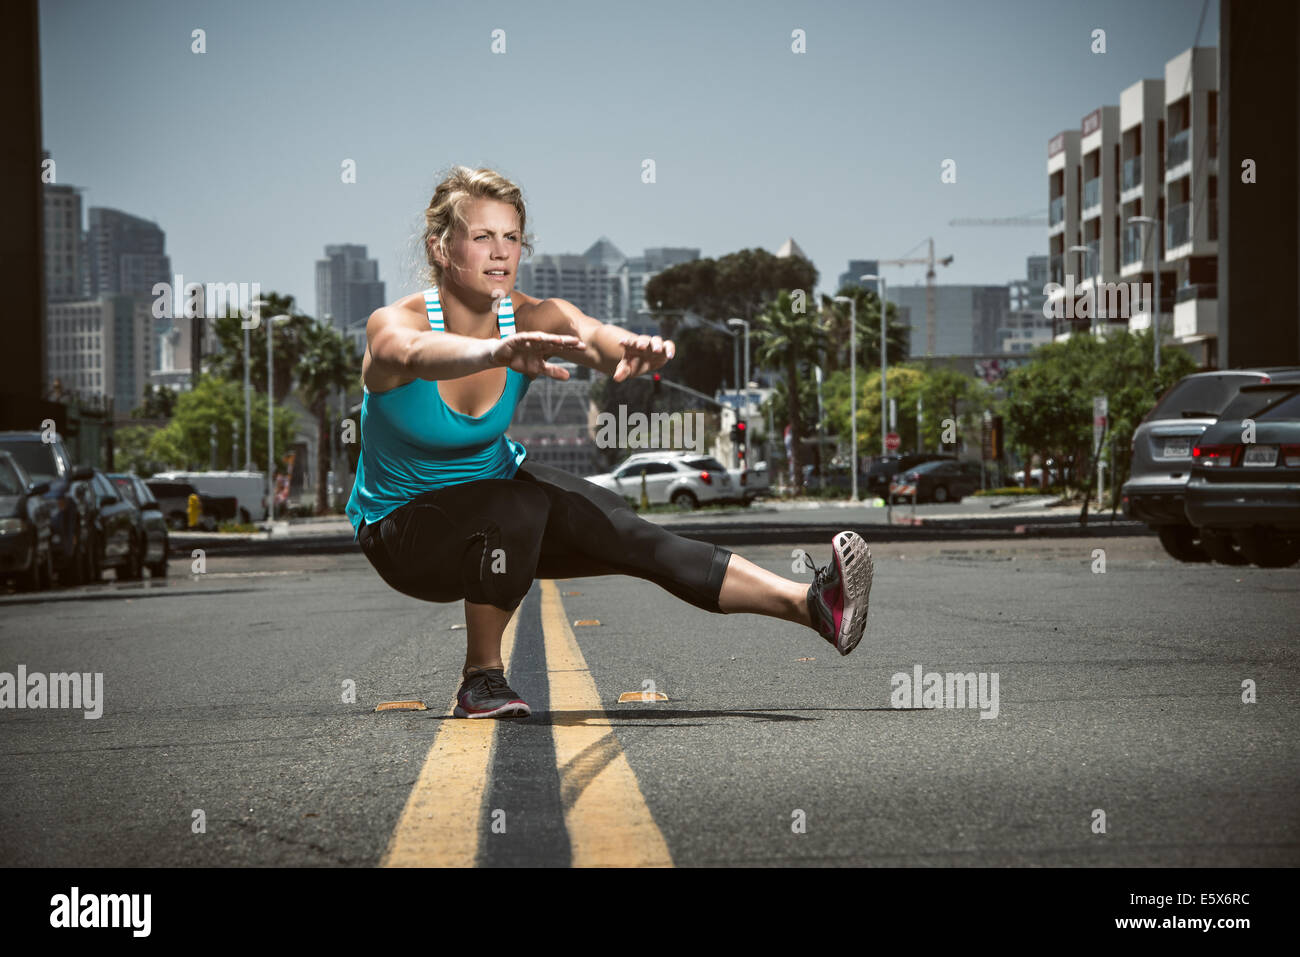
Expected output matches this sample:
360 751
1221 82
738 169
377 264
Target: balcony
1179 149
1092 193
1132 172
1131 244
1206 290
1180 226
1055 271
1057 211
1093 260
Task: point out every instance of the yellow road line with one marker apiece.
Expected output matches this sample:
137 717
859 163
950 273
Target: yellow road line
605 812
439 826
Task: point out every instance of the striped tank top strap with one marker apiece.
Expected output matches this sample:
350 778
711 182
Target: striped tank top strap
434 308
506 317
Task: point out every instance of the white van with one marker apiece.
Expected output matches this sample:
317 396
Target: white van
248 488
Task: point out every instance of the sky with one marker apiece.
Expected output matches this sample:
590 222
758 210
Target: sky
237 152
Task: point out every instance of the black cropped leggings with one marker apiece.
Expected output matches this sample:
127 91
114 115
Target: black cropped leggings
486 541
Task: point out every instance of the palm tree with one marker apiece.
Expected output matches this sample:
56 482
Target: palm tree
327 362
786 340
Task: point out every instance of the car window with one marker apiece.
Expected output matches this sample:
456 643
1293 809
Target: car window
1288 408
10 482
928 466
1205 394
1251 401
126 489
709 464
103 487
36 458
143 495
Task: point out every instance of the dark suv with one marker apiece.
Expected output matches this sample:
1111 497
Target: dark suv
70 497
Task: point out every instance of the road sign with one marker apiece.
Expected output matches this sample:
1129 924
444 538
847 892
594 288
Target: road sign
891 441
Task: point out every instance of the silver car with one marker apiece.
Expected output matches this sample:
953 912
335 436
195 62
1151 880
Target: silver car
686 480
1162 458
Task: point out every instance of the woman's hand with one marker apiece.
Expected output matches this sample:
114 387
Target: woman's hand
526 352
643 354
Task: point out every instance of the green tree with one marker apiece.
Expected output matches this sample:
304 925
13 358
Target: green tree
838 318
289 345
328 362
158 403
185 442
131 450
789 340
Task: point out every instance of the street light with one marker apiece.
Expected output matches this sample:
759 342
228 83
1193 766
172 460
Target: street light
853 381
1092 313
1155 316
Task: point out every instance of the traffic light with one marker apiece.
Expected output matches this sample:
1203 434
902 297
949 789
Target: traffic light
655 388
738 438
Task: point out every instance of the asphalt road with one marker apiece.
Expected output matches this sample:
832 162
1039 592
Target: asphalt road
1119 693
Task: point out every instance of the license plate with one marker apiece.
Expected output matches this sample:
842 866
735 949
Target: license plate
1260 456
1178 448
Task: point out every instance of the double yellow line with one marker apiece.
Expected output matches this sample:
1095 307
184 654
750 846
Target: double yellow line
605 812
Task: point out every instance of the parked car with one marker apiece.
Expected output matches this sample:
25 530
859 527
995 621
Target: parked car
1250 490
883 468
26 554
247 489
668 479
118 532
941 481
1155 492
151 518
45 459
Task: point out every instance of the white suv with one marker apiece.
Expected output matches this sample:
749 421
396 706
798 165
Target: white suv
684 479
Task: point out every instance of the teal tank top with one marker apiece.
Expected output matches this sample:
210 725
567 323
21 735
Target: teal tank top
412 443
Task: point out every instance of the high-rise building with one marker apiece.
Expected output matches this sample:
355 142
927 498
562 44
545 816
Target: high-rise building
102 346
348 287
127 254
66 276
857 269
968 319
1026 327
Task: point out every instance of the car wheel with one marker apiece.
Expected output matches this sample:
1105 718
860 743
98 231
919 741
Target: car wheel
244 517
940 493
1221 547
1182 543
1268 550
685 500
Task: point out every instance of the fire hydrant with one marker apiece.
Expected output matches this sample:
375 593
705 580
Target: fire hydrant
194 509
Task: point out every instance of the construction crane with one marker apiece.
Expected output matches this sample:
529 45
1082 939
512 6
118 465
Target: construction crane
1035 218
928 261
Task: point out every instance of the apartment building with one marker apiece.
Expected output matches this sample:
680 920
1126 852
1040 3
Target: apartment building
348 287
1064 195
1191 198
1141 194
1155 155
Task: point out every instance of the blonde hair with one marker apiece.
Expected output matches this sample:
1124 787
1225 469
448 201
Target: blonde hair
445 212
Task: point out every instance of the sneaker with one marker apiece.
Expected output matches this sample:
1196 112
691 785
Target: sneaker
837 598
485 694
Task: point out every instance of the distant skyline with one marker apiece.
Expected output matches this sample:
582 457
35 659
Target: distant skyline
237 152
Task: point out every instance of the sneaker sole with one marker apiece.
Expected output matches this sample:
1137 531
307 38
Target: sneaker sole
853 559
515 709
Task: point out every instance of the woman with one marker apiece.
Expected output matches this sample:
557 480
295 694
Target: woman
448 508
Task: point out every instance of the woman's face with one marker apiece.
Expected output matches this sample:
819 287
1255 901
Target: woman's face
484 258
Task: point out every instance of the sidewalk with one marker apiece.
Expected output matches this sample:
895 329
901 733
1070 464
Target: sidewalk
765 522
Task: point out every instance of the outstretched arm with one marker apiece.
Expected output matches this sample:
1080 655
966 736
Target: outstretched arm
609 348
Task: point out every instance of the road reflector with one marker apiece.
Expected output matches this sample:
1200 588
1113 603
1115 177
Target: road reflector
570 594
805 659
586 622
401 706
633 696
457 627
